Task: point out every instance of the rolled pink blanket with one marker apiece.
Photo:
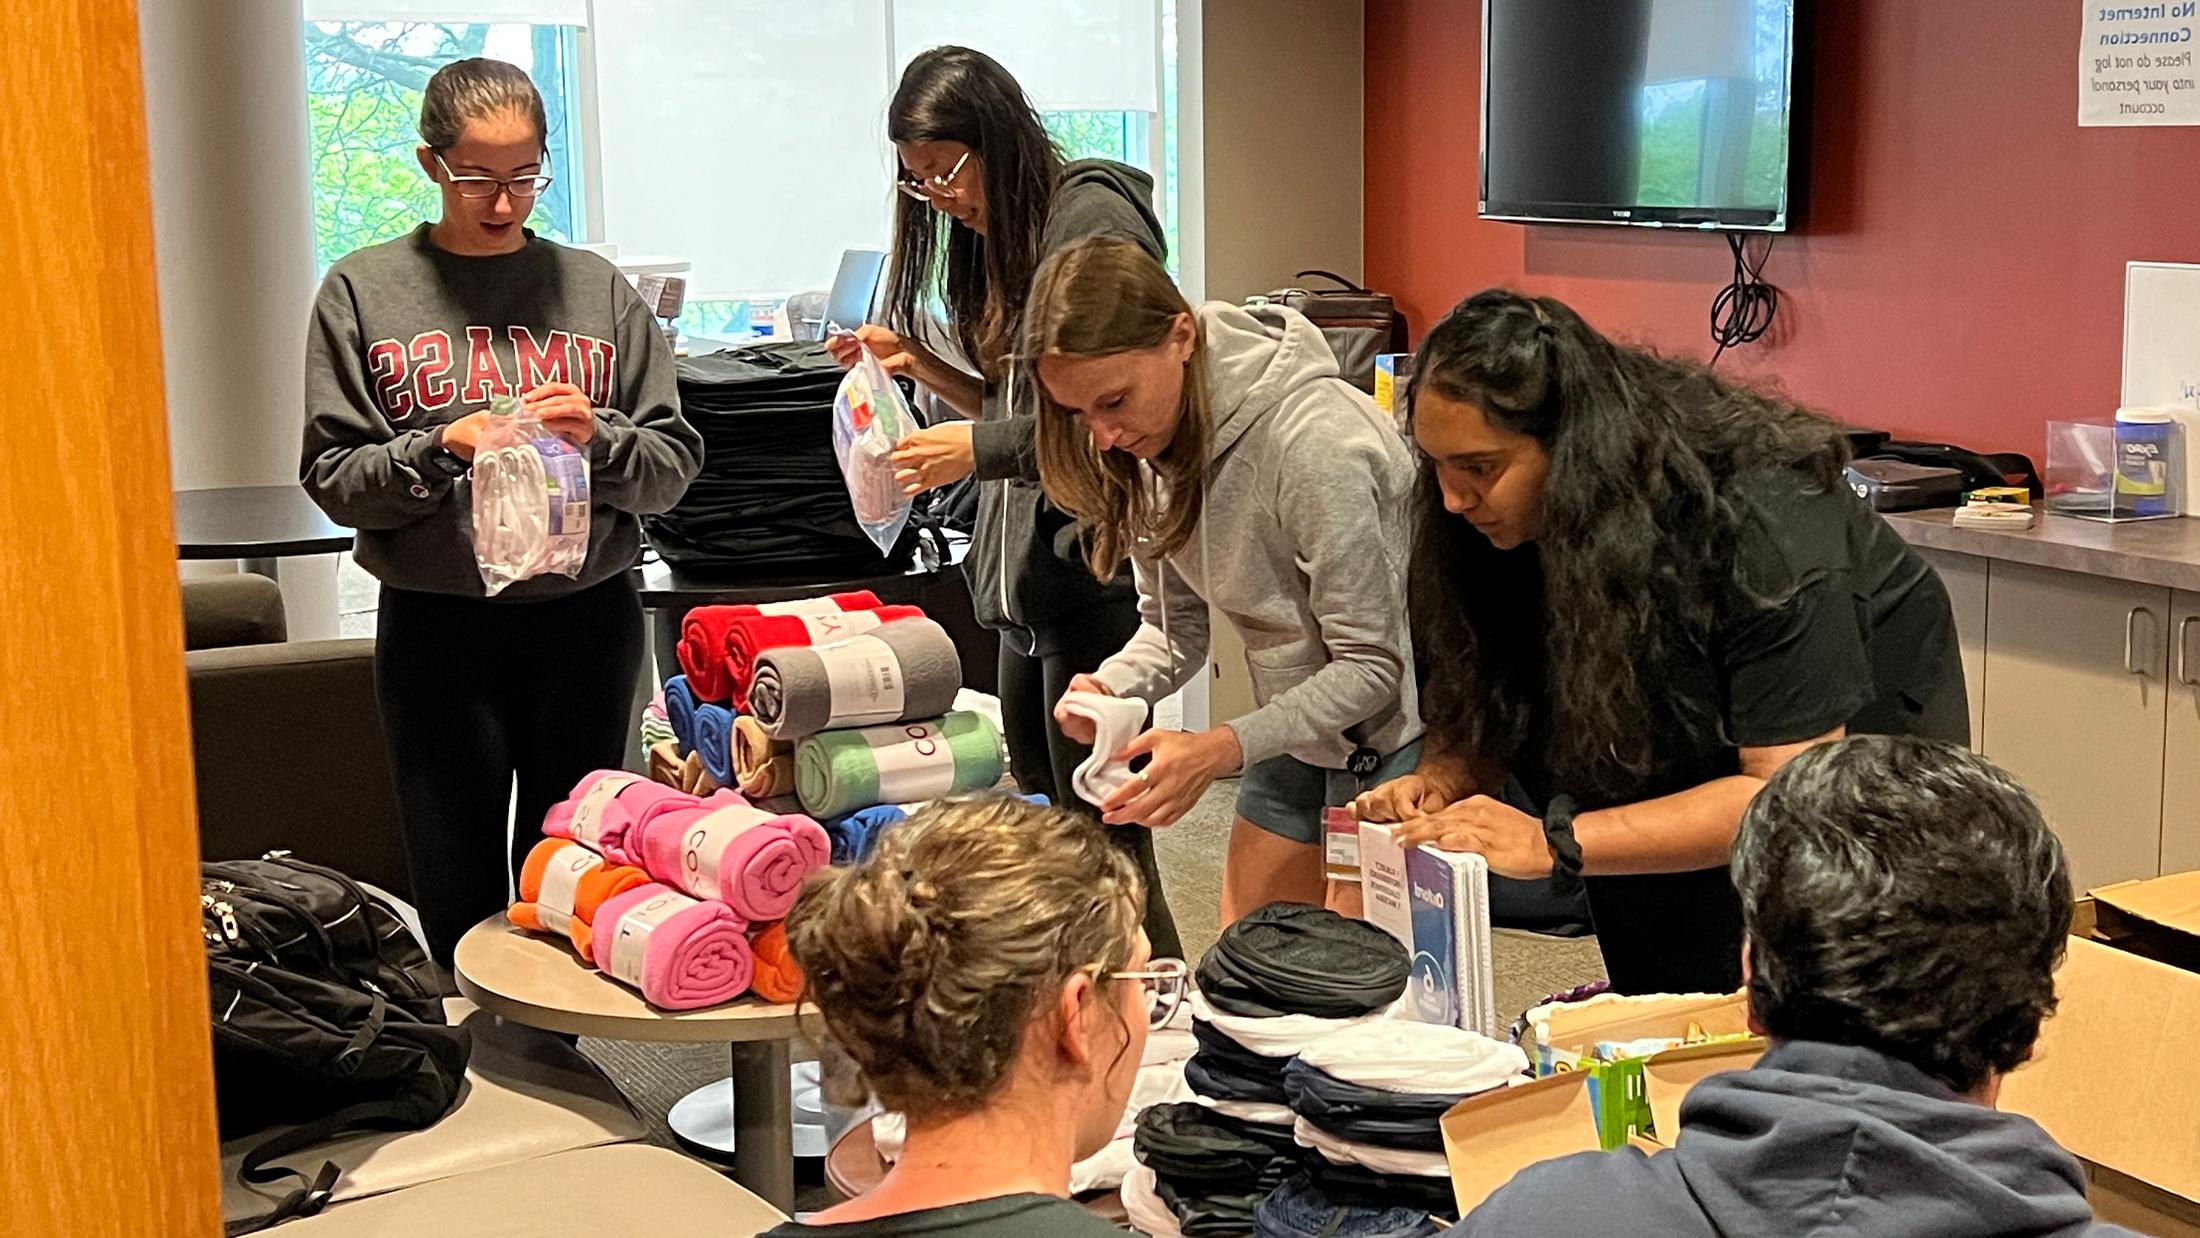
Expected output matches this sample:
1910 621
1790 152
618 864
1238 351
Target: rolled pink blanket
604 808
749 859
682 953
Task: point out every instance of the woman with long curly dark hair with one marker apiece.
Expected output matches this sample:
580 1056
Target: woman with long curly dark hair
1638 589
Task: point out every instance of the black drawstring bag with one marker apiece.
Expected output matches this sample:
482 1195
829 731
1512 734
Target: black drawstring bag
1189 1142
1223 1069
1403 1120
1289 958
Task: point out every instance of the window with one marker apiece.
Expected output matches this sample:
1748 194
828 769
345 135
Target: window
745 137
363 85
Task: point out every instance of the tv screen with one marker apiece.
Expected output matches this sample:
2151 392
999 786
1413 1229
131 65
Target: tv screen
1669 113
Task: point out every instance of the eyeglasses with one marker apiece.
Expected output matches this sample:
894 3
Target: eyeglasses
938 187
1165 981
520 187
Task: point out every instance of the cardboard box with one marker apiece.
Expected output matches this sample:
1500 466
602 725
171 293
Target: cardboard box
1491 1137
2111 1077
1437 904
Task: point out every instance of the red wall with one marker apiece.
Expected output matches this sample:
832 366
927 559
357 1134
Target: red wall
1957 273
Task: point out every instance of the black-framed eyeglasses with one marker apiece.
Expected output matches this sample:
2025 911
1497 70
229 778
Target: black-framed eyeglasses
1165 981
940 187
522 188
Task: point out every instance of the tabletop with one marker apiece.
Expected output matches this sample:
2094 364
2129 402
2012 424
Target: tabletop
251 522
541 982
665 587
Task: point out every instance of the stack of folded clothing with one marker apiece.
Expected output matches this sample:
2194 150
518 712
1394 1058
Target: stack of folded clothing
673 894
657 724
1370 1098
1275 982
1203 1173
1279 981
770 499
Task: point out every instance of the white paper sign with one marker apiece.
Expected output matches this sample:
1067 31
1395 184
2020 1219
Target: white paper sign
2136 63
865 678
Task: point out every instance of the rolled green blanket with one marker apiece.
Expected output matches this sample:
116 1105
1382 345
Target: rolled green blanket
838 772
895 672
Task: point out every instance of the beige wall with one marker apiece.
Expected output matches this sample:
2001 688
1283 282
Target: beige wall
1270 184
1280 142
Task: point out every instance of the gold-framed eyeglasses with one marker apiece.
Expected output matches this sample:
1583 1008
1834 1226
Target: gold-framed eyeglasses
1165 981
940 187
522 188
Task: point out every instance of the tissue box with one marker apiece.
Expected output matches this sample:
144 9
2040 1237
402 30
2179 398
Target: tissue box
1437 904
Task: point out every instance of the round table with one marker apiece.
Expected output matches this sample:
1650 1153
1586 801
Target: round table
540 982
257 524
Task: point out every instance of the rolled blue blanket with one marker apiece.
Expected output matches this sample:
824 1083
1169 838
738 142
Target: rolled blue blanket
714 742
680 712
855 833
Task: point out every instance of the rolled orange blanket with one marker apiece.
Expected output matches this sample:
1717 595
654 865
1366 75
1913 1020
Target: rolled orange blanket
562 885
763 766
777 977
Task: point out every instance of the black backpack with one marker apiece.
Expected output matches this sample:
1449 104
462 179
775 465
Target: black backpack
326 1017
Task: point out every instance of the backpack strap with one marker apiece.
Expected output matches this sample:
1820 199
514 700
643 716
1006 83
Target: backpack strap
314 1194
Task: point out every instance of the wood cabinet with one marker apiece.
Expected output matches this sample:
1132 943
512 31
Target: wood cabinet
2076 698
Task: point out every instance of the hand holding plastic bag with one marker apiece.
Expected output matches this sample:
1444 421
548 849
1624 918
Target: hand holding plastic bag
871 418
530 500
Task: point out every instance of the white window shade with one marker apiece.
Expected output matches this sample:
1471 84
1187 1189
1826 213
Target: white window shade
525 12
746 135
1069 55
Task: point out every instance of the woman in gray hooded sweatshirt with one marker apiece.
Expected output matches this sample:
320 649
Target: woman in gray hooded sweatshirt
1219 450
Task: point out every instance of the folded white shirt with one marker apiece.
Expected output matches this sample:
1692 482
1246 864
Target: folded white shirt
1367 1156
1259 1113
1280 1036
1116 721
1420 1058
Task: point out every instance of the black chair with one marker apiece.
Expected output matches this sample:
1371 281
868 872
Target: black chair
286 738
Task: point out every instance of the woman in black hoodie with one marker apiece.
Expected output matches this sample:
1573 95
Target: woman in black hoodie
984 197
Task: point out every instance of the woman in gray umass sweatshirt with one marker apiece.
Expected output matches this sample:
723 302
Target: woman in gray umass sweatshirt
1220 451
409 342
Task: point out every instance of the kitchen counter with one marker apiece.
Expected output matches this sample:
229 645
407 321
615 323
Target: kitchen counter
2154 552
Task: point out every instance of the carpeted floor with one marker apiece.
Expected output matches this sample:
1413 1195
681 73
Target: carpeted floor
1528 966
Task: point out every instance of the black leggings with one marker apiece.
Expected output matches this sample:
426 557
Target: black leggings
1043 759
474 693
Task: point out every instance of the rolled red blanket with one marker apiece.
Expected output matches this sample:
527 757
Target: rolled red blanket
702 652
749 636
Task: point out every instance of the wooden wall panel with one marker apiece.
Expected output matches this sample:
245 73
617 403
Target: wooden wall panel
106 1110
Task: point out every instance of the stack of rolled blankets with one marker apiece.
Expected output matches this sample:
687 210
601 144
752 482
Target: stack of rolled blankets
677 895
842 701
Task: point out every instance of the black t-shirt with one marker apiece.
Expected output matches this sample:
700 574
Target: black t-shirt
1830 620
1010 1216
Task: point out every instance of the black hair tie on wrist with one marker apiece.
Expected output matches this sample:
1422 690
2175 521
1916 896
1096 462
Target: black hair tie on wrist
1558 834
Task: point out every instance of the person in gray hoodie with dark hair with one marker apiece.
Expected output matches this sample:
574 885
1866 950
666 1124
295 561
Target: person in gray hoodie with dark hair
1904 908
984 196
1219 450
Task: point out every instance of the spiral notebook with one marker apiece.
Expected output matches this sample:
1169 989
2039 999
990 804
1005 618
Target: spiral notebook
1437 904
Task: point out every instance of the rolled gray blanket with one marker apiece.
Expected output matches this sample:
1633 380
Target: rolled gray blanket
896 672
